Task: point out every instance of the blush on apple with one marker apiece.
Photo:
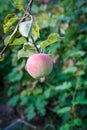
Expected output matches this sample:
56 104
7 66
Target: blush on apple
46 1
39 65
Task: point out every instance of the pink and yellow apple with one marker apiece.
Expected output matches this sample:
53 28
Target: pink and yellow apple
46 1
39 65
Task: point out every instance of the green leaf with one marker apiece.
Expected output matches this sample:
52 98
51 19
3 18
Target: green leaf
30 112
13 89
83 27
52 38
80 99
35 9
13 101
6 40
83 9
10 38
65 127
25 53
9 20
76 122
35 30
18 41
37 91
47 93
23 93
70 33
27 46
70 70
81 72
77 54
2 58
41 104
18 4
24 100
80 2
64 86
15 74
63 110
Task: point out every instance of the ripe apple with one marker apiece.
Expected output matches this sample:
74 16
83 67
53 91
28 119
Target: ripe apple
45 1
39 65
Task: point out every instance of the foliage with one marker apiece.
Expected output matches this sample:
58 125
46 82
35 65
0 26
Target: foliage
60 30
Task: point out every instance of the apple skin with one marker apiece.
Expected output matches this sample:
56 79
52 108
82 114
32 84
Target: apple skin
45 1
39 65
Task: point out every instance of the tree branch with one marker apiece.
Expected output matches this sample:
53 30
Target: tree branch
26 14
38 51
30 4
3 50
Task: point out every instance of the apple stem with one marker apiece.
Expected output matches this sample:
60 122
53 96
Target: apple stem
37 49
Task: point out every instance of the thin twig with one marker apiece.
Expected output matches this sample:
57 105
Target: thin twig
29 6
4 49
26 14
38 51
28 124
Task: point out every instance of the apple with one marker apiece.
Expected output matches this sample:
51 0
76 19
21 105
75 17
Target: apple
39 65
45 1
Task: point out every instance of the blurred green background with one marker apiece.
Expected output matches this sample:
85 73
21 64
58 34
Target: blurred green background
58 102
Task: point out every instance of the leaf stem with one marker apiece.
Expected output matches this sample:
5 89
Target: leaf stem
38 51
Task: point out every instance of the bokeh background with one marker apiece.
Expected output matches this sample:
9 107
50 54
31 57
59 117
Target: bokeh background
58 102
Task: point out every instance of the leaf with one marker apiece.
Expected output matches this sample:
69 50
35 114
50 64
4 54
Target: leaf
15 74
2 58
27 46
18 41
23 94
25 28
8 21
65 127
52 38
40 102
40 105
64 86
35 30
35 9
62 110
30 112
18 4
25 53
83 27
43 20
37 91
13 101
10 38
69 34
6 40
80 2
83 9
24 100
80 99
70 70
80 72
76 122
13 89
77 54
47 93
